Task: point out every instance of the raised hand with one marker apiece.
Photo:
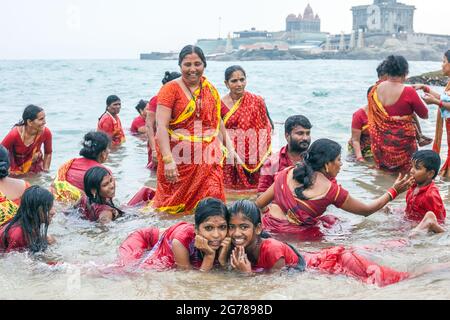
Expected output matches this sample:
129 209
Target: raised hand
202 244
403 183
239 260
223 251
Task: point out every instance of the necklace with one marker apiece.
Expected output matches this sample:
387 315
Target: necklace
197 100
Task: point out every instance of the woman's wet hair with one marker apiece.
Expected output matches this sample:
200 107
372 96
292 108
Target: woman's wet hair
93 181
111 99
190 49
95 142
33 217
209 207
320 153
447 55
141 106
169 76
429 159
249 211
4 162
230 70
381 69
30 113
396 66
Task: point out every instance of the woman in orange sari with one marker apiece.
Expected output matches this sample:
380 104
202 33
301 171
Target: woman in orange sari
443 101
189 128
301 195
25 140
249 126
69 182
391 111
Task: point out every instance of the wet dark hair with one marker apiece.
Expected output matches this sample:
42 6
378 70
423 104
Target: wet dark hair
30 113
381 69
320 153
169 76
294 121
369 90
95 142
141 106
249 211
4 162
190 49
447 55
93 180
230 70
209 207
429 159
111 99
33 217
396 66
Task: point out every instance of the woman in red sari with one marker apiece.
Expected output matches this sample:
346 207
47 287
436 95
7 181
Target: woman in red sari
443 101
188 148
110 123
25 140
249 126
300 195
391 112
68 185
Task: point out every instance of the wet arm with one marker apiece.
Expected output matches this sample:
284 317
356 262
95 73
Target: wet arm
163 116
47 161
181 255
105 217
266 198
356 142
355 206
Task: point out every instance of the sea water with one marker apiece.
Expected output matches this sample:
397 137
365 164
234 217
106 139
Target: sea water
73 94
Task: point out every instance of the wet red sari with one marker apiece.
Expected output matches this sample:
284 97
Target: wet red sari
393 138
304 217
250 130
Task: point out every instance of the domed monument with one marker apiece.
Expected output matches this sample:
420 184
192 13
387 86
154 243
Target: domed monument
306 23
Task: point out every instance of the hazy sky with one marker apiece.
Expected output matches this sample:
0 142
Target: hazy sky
124 28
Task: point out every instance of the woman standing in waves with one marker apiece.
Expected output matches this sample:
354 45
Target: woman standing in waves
25 140
391 109
249 126
189 128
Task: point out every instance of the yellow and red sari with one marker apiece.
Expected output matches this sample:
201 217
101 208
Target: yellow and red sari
8 209
445 172
250 130
195 149
393 138
25 159
62 189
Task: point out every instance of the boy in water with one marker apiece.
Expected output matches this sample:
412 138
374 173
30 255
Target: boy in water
423 200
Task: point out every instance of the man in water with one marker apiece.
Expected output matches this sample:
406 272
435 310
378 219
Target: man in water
297 131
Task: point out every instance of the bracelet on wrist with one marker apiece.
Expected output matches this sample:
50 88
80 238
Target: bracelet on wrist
168 159
441 104
392 193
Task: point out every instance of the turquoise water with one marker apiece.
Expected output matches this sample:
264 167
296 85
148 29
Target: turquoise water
73 94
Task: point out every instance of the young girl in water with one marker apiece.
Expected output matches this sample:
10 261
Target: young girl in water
28 229
97 202
183 246
254 251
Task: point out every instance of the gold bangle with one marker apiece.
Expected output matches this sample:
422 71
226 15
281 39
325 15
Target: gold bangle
168 159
